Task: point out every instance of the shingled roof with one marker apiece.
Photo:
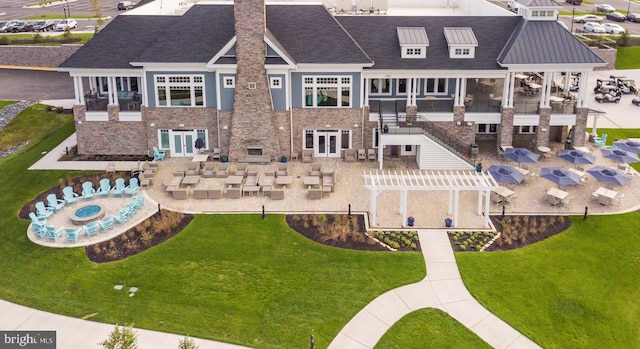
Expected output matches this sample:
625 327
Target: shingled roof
545 42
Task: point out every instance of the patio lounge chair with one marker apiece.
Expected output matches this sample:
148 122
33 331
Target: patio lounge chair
118 190
209 170
123 217
179 194
133 187
350 155
234 193
241 169
222 171
362 155
87 190
37 220
107 223
371 154
157 154
307 155
69 196
91 229
199 193
72 234
214 193
38 225
192 169
600 141
53 233
54 203
42 210
105 188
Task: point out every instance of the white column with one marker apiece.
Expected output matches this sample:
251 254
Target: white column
506 86
594 130
373 208
409 90
365 91
110 88
512 89
143 90
92 84
480 194
416 87
582 92
81 89
567 82
380 150
544 95
456 96
463 89
487 207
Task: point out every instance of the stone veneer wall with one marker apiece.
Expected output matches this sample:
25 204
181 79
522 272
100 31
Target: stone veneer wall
465 133
97 137
578 138
254 121
170 118
319 118
225 135
505 131
542 135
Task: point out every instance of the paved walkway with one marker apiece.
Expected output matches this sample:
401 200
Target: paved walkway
442 289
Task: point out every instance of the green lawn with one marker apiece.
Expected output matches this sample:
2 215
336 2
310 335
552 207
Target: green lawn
233 278
60 16
578 289
84 37
627 58
6 103
429 328
620 133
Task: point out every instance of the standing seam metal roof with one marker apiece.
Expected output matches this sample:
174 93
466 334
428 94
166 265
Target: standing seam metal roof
460 36
412 36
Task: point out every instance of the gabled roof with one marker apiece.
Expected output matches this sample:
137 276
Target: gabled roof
460 36
545 42
539 3
412 36
377 36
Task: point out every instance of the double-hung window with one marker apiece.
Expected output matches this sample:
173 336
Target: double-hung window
327 91
436 86
380 86
179 90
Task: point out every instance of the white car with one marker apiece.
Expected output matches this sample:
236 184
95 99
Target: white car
67 23
606 8
594 27
613 28
587 18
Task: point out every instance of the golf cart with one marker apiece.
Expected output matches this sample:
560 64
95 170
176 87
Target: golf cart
626 86
613 96
605 86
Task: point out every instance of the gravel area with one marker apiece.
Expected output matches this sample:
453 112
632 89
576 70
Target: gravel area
7 114
36 56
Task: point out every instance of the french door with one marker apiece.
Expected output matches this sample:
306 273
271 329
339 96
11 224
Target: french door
183 143
326 144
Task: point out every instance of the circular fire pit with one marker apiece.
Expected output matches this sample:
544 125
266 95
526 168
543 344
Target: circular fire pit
86 214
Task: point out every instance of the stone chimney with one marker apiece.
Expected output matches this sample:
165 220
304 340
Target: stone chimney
253 121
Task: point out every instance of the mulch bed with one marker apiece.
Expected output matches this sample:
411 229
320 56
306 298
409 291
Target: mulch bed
73 156
354 239
538 228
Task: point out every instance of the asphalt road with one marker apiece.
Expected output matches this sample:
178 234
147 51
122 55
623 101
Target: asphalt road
35 85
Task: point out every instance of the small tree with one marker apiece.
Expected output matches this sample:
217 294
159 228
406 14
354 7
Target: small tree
121 338
624 39
187 343
97 6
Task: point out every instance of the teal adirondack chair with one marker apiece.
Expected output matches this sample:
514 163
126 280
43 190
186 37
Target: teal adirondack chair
38 225
133 187
139 202
53 233
42 210
72 234
124 216
55 204
87 190
69 196
91 229
118 190
107 223
157 154
105 188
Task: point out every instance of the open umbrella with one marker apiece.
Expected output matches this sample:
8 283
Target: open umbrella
560 176
628 145
521 155
609 175
505 174
576 157
618 155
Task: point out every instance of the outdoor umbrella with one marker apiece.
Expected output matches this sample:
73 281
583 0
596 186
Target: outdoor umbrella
576 157
609 175
618 155
521 155
628 146
505 174
560 176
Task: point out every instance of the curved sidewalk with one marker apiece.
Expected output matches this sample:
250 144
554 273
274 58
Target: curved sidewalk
442 289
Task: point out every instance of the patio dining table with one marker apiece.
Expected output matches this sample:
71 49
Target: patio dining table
558 193
284 181
311 181
190 180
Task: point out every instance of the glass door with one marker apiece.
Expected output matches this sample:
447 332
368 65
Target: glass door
183 143
326 144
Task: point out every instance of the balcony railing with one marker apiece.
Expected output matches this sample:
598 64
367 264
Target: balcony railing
128 102
435 105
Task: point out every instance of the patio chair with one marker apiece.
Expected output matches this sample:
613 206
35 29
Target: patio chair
316 170
157 154
42 210
314 194
72 234
118 189
362 155
209 170
69 196
216 154
54 203
179 194
133 187
371 154
241 169
123 217
214 193
53 233
307 155
566 202
200 193
37 220
107 223
277 194
600 141
496 199
618 199
91 229
222 171
283 169
233 193
87 191
192 169
40 231
350 155
139 201
105 188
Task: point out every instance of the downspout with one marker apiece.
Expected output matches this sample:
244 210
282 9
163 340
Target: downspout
218 109
289 106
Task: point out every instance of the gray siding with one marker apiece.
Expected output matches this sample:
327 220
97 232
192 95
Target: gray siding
226 94
279 95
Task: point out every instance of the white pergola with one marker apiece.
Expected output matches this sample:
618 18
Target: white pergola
453 181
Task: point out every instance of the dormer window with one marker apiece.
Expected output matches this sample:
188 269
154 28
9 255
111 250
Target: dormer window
462 42
413 42
538 10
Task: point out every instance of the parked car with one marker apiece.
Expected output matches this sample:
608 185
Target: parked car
613 28
616 16
594 27
67 23
44 26
5 26
587 18
21 26
574 2
606 8
125 5
633 17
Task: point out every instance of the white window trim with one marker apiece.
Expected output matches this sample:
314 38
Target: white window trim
339 86
398 93
410 52
231 80
532 130
168 132
488 129
435 85
275 82
379 82
192 88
